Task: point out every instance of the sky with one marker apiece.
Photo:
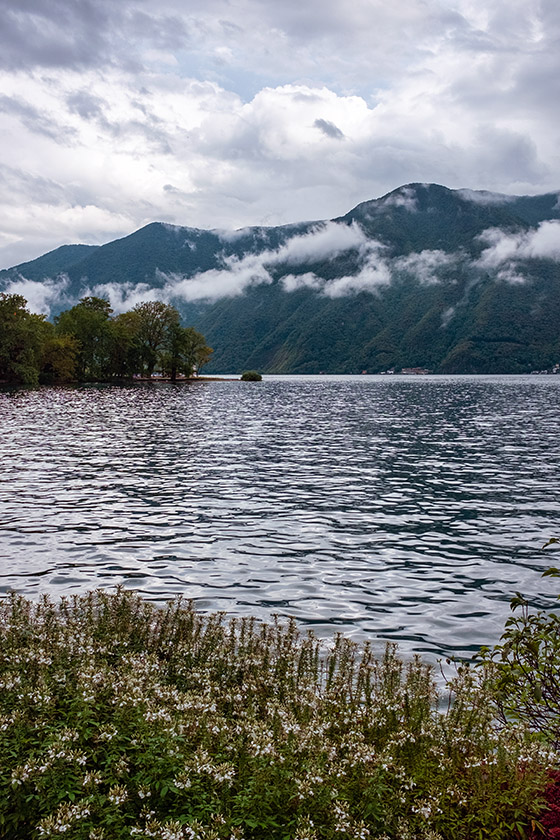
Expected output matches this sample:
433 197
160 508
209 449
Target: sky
228 113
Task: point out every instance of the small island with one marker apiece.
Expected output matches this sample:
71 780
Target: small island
251 376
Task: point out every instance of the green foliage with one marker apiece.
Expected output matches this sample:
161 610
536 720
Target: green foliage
125 349
120 720
22 336
251 376
59 358
523 670
185 351
88 344
153 322
461 320
89 324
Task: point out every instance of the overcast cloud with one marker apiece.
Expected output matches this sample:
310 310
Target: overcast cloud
227 113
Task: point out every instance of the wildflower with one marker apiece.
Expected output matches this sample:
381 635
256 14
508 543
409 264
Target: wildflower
68 735
121 767
66 815
22 773
107 733
118 794
183 782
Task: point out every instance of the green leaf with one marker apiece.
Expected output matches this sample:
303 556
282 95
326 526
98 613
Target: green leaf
537 693
518 601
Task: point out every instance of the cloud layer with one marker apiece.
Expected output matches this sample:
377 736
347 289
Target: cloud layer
310 260
230 114
502 256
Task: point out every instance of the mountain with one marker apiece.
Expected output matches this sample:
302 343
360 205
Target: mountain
51 264
450 280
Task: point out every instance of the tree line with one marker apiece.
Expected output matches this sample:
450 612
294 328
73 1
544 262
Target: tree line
88 343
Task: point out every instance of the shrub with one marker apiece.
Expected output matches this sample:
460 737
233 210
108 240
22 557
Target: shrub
524 668
121 720
251 376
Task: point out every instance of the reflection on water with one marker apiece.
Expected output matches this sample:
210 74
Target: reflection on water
405 508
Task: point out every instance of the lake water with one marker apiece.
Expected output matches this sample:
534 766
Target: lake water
403 508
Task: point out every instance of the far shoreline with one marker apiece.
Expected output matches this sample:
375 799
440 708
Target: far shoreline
183 379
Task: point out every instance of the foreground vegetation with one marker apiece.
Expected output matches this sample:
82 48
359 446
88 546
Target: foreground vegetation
122 720
88 343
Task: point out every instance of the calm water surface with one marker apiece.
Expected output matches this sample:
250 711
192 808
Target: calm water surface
404 508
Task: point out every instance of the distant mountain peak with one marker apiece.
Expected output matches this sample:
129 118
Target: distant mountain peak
425 276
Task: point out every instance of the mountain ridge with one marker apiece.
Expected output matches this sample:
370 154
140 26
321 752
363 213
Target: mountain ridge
450 280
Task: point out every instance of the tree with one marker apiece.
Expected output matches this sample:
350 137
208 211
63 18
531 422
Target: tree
152 322
22 335
86 343
201 351
186 351
59 358
89 323
125 349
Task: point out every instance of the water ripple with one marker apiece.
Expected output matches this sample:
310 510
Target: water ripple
394 508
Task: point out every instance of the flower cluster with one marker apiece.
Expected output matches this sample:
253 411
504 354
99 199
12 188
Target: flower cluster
120 720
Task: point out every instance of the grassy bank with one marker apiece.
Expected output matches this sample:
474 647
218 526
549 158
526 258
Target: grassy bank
122 720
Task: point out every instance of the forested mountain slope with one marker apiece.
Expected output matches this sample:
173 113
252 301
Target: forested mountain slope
450 280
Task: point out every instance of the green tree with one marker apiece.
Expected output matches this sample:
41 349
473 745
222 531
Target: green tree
185 352
89 323
59 357
86 343
22 335
125 346
152 321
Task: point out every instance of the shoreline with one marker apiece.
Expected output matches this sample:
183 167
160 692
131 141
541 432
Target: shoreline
182 379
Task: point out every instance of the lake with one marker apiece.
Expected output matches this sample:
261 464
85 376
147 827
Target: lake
395 507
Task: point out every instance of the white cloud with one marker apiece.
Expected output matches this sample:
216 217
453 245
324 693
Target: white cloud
323 241
502 247
543 242
425 266
235 278
404 197
485 197
237 274
374 273
40 296
447 315
294 282
219 115
124 296
234 235
505 247
510 275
